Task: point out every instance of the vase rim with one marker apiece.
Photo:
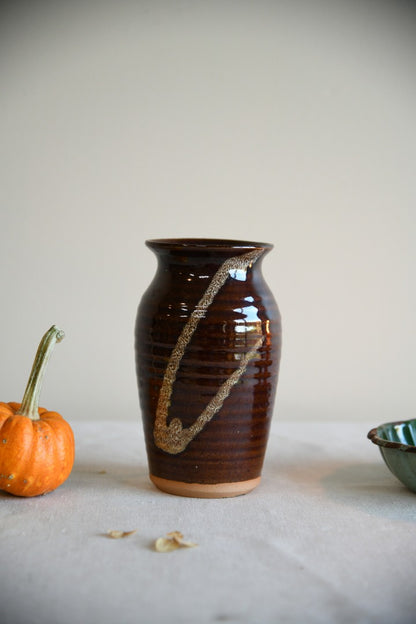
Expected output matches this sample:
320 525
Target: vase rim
207 244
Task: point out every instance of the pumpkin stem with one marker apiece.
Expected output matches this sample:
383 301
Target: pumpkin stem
30 403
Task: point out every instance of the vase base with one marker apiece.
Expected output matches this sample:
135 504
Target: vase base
205 490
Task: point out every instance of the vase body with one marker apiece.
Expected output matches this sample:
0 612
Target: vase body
207 344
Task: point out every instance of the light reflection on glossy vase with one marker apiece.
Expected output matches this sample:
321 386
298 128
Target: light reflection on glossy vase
208 342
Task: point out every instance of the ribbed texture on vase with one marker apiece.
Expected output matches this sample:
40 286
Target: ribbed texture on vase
212 371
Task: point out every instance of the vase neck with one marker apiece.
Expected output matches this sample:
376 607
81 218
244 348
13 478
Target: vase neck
196 252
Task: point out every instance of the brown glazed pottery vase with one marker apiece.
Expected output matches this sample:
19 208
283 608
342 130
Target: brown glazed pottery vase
207 341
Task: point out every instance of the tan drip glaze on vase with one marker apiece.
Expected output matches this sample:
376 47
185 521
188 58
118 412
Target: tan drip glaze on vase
208 339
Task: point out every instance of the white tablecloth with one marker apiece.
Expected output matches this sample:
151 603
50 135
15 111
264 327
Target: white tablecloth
329 536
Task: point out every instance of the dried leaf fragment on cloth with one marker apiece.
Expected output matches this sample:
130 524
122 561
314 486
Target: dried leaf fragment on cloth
120 534
172 541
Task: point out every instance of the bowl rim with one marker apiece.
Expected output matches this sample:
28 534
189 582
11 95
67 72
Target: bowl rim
376 439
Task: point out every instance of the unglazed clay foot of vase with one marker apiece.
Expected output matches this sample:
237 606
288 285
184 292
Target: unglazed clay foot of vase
205 490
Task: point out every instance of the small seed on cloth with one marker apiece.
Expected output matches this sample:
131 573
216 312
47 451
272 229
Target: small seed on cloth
172 541
120 534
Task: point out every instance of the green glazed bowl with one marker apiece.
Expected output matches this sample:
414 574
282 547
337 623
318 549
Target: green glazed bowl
397 444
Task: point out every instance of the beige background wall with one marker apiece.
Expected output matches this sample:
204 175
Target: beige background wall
290 122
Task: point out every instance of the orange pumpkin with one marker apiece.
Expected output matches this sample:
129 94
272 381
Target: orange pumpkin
37 447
